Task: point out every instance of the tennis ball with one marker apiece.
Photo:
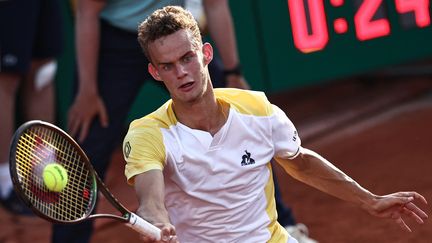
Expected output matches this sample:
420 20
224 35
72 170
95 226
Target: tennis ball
55 177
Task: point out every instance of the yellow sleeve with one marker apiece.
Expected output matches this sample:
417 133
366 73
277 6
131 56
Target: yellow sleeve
143 150
246 101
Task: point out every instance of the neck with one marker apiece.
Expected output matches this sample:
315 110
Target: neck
207 115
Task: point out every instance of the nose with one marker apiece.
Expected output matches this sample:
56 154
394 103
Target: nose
180 70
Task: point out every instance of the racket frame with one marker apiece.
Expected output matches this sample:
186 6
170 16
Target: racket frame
131 219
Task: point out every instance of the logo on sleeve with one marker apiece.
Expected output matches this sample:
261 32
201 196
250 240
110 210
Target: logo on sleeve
246 159
127 149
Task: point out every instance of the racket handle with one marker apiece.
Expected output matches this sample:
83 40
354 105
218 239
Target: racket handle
141 226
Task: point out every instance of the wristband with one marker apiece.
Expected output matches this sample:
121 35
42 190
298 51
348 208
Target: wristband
237 70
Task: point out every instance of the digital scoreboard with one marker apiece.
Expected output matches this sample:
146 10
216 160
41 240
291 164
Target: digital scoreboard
291 43
370 18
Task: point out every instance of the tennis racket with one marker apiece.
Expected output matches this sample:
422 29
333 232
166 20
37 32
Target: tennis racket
35 144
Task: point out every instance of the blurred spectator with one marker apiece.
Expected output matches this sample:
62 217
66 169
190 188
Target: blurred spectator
30 41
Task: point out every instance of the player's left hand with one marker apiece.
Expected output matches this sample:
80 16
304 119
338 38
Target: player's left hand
396 205
236 81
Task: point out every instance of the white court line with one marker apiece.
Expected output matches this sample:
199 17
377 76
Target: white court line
424 102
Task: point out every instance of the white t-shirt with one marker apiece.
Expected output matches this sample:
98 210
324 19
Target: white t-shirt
217 188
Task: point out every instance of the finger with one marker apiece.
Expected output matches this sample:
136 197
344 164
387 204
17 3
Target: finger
401 222
412 207
403 225
172 231
174 239
173 236
413 215
103 115
419 196
414 195
73 125
168 234
165 236
84 131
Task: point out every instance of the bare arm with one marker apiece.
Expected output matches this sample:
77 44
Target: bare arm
87 43
150 189
88 103
222 31
314 170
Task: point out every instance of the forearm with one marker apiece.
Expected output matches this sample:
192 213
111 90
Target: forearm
150 189
153 213
312 169
221 30
87 43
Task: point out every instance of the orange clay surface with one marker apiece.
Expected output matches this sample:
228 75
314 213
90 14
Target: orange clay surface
378 132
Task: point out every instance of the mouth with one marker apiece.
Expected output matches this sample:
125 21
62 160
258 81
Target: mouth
187 86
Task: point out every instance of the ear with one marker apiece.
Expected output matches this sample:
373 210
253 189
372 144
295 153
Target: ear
207 50
154 72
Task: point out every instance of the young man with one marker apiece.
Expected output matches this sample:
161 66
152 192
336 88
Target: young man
200 164
110 63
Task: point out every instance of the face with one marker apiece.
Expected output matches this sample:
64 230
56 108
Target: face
181 66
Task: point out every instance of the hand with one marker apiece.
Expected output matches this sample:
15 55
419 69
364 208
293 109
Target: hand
168 235
83 111
236 81
396 205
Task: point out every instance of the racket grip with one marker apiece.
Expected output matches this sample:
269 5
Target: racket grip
143 227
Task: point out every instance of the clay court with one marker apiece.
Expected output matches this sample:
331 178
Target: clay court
377 132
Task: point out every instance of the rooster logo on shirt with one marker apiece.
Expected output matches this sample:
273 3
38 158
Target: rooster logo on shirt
246 159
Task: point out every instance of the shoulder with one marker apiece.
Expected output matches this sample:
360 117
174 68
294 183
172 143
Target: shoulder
246 102
144 139
163 117
151 124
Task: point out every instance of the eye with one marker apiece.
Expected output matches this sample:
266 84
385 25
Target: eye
166 67
187 58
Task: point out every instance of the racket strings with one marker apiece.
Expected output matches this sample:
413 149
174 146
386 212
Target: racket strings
36 148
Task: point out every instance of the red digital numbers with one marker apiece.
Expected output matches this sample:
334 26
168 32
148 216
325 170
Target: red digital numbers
420 8
318 36
309 20
366 27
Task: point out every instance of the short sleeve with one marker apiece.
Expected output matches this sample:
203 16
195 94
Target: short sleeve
284 135
143 150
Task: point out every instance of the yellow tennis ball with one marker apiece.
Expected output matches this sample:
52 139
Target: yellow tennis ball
55 177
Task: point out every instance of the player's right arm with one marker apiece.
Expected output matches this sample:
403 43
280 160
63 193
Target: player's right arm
145 156
150 188
88 103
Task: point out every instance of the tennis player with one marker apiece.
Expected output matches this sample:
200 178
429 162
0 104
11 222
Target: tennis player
200 163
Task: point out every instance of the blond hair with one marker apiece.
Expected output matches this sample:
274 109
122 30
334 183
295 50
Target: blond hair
166 21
